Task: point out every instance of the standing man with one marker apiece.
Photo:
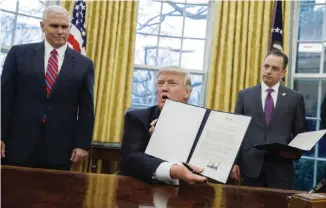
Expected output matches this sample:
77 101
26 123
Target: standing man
47 111
172 83
278 115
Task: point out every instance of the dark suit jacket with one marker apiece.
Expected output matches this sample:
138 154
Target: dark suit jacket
323 114
24 104
288 119
134 162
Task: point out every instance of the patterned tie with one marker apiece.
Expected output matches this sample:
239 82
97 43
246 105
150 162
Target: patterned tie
269 106
51 72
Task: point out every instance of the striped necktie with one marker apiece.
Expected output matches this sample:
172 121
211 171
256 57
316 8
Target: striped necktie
51 72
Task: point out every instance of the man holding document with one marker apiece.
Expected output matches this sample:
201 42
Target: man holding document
172 83
278 115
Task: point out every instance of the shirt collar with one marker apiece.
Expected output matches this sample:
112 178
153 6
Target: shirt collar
264 87
61 51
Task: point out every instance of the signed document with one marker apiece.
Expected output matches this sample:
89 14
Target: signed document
219 144
202 137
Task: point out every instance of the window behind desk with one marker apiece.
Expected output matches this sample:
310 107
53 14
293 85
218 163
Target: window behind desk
309 78
20 23
171 33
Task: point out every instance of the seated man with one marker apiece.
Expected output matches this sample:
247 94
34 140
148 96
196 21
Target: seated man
172 83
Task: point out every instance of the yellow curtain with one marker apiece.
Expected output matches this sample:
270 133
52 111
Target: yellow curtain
111 28
240 43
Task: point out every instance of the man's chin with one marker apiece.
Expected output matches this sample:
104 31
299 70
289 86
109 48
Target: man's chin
160 104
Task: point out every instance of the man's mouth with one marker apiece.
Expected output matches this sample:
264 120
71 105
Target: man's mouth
164 97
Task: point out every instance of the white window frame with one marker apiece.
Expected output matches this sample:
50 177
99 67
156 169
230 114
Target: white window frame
292 75
206 55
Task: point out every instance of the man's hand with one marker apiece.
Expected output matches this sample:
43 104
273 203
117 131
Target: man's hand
2 149
152 129
78 155
179 171
235 173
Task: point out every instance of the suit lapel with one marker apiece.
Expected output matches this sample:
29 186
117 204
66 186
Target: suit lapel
38 63
66 68
258 104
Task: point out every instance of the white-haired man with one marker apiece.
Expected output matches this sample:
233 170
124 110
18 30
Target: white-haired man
47 111
172 83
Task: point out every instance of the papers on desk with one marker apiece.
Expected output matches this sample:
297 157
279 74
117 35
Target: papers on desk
199 136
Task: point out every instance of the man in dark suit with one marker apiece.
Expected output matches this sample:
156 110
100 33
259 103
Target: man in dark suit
278 115
173 83
47 111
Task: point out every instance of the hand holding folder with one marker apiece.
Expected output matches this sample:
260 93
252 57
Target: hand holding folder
198 136
301 143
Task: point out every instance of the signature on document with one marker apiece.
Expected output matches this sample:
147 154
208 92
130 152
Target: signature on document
213 165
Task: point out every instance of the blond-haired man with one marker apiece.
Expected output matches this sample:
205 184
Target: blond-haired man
172 83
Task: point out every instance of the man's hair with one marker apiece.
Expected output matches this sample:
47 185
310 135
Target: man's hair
280 54
179 70
55 9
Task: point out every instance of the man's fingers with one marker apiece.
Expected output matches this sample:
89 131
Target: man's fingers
237 172
77 158
196 169
193 178
153 122
3 149
73 155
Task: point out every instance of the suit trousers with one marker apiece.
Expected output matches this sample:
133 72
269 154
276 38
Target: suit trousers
38 158
276 172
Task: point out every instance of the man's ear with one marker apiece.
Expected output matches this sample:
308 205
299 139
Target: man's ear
187 94
284 72
42 26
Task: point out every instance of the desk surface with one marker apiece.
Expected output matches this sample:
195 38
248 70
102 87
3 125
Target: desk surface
23 187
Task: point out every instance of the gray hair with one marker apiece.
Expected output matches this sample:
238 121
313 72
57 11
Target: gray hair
177 69
55 9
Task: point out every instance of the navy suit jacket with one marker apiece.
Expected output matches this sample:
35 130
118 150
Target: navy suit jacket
288 120
69 109
134 161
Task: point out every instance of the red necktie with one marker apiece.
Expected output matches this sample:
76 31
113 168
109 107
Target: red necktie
51 74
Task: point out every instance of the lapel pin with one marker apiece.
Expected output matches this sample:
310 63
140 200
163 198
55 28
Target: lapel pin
283 94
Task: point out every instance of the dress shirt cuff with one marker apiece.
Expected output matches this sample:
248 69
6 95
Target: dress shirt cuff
162 174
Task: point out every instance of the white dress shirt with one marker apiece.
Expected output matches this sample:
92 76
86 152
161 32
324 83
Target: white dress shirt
264 93
61 54
162 174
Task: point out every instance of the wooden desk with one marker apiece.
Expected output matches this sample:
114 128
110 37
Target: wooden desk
24 187
109 153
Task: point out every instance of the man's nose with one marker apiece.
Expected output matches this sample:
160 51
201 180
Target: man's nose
165 87
59 31
269 70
